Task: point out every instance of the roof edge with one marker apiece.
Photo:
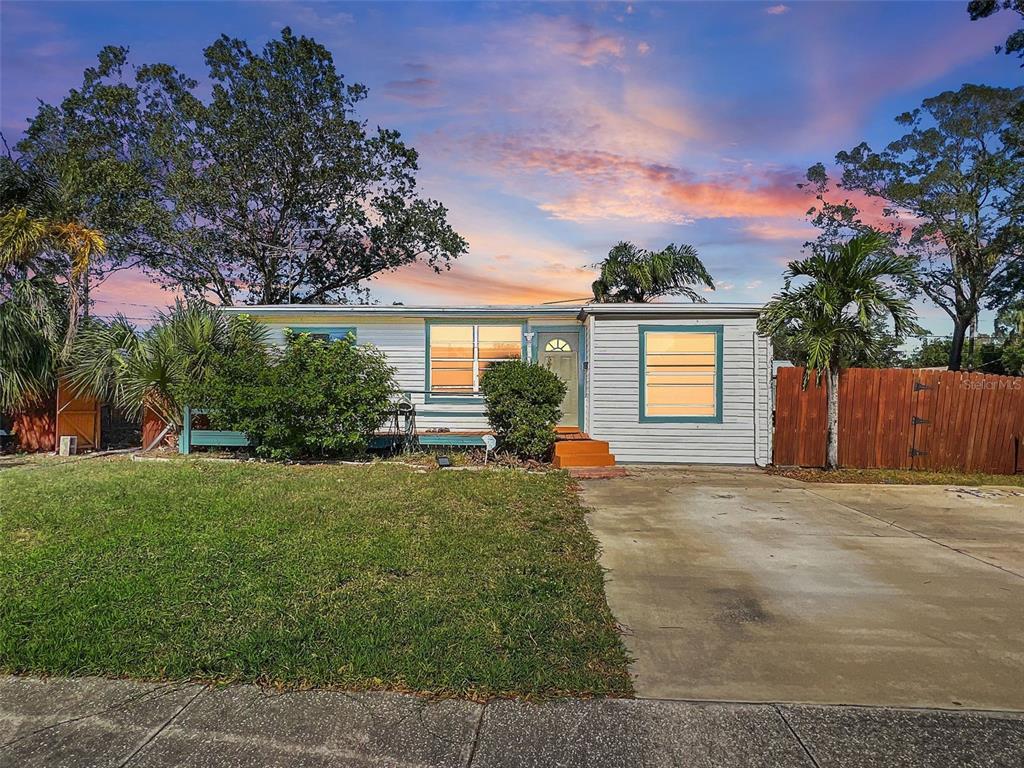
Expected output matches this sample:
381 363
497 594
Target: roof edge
665 308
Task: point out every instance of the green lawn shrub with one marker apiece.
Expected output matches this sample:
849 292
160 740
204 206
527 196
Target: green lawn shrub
524 403
314 398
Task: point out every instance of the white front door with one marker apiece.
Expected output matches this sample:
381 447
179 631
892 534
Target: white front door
557 351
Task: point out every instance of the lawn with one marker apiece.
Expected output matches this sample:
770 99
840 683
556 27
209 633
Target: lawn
465 583
897 477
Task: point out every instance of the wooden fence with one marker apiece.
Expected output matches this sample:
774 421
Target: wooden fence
904 419
39 428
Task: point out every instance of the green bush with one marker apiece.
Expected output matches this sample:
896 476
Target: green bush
524 403
314 398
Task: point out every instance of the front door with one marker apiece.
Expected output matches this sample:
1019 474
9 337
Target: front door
557 351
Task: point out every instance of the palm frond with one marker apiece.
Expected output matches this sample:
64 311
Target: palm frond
22 237
835 316
631 274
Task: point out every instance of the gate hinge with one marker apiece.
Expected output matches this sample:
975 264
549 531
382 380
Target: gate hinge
918 386
915 420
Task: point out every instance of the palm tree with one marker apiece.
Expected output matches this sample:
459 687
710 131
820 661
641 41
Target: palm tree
33 318
631 274
39 232
118 364
834 316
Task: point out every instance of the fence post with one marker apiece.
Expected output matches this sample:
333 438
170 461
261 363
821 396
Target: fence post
185 438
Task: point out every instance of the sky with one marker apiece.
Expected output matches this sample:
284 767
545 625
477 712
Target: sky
552 131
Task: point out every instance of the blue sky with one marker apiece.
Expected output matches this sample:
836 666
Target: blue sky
551 131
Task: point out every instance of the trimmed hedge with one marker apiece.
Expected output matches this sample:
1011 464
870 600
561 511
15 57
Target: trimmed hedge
524 403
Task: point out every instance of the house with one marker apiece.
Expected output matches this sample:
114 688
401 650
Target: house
661 382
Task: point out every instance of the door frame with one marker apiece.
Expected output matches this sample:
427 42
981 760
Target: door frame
581 351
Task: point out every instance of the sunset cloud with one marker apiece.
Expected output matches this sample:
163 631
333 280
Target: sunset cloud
594 185
487 285
777 10
417 90
577 40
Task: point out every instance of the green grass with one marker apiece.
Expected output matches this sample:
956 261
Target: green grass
380 577
897 477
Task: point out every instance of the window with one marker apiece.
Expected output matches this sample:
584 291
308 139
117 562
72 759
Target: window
325 332
681 373
458 355
557 345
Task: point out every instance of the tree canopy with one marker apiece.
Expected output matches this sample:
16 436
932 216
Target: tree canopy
270 189
982 9
950 189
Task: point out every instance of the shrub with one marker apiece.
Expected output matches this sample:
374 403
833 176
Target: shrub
524 402
313 398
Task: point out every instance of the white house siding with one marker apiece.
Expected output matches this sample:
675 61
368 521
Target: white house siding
743 437
403 342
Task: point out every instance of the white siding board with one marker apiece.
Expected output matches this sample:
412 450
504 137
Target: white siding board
614 391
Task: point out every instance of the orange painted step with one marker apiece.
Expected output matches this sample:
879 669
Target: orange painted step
592 460
580 447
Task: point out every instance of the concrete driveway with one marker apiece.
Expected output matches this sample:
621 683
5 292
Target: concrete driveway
735 585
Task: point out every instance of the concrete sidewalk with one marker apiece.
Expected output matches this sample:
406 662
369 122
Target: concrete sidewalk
112 723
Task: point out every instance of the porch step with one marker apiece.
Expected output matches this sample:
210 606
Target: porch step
582 453
581 447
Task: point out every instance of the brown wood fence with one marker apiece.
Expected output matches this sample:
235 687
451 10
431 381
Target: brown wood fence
904 419
66 413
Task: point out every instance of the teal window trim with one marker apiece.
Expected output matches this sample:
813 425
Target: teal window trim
334 332
719 332
475 398
581 352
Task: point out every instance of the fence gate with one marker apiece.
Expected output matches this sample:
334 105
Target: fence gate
905 419
79 416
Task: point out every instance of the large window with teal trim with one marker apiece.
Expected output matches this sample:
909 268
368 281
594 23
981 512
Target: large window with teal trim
681 373
458 354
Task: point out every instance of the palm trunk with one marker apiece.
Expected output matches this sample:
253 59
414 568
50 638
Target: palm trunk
832 395
956 350
73 306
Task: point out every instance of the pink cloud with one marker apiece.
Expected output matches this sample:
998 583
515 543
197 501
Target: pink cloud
132 293
774 230
593 185
422 91
577 40
777 10
847 85
487 284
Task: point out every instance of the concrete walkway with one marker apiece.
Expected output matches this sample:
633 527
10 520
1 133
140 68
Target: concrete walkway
736 585
92 723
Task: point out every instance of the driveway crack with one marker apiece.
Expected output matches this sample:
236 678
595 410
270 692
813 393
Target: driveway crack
476 736
795 735
160 729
